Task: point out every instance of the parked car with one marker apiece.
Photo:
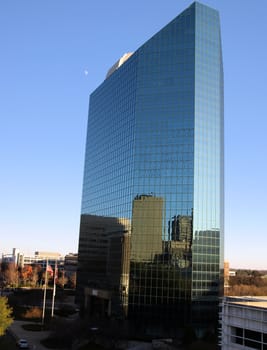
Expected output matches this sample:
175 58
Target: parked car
23 344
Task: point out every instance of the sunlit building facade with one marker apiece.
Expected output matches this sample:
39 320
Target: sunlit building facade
154 166
244 323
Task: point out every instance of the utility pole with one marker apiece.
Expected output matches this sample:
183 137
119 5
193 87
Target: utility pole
54 290
44 300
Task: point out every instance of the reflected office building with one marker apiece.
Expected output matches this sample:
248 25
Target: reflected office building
147 221
151 234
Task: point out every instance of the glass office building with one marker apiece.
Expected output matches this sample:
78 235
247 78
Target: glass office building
153 176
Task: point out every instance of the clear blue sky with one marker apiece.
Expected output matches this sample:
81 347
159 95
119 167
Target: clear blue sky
53 54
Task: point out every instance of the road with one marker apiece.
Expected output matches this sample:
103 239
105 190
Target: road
33 338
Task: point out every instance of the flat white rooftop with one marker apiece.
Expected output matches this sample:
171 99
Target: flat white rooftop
254 301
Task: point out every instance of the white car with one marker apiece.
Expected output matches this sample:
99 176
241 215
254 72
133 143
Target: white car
23 344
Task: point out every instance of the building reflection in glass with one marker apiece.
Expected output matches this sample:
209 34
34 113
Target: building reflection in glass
153 181
160 277
103 265
147 223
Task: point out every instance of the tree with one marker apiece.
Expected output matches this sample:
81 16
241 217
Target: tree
247 282
35 274
62 280
72 279
5 315
10 272
26 274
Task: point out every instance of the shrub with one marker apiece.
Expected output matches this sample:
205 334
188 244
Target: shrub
34 312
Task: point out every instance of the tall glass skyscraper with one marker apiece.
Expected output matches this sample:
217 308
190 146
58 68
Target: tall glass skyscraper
151 234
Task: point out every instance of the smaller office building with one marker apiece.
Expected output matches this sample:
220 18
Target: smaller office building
244 323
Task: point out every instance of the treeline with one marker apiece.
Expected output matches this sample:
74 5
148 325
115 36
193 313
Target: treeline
33 275
247 282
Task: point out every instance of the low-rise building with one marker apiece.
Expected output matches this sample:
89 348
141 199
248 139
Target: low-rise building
244 323
42 259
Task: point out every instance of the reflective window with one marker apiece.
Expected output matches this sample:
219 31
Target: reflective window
153 176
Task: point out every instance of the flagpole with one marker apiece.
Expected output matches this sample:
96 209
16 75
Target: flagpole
44 300
54 291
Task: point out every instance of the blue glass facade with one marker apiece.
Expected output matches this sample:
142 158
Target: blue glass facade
154 172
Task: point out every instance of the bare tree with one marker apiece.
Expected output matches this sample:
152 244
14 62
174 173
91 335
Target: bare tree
35 275
11 274
62 281
72 279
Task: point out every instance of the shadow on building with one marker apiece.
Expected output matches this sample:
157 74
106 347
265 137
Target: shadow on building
103 266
